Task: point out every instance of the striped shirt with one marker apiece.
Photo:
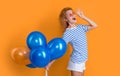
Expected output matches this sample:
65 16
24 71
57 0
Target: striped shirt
76 36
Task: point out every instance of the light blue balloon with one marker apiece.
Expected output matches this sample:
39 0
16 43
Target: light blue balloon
57 48
36 39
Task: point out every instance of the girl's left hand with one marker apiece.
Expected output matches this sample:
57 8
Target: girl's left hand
80 13
49 65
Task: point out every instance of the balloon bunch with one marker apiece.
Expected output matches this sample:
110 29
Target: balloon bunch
41 53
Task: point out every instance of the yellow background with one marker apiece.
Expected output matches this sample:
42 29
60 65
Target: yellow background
20 17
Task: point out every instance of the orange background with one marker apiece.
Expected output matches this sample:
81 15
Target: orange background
20 17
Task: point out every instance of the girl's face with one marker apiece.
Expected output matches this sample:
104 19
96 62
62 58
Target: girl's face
70 17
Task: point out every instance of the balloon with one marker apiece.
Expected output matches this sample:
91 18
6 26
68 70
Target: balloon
40 57
36 39
20 55
31 66
57 48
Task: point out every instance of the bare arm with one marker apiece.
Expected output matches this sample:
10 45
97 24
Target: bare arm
92 24
48 66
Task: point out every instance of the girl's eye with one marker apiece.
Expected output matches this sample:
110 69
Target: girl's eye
70 14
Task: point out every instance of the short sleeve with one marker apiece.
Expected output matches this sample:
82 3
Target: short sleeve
85 28
66 37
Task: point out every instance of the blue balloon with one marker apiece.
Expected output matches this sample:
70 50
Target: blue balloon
57 48
40 57
36 39
31 66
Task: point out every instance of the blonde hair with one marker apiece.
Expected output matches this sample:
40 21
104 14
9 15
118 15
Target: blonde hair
62 17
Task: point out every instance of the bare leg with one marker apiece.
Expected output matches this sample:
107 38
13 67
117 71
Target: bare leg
75 73
83 73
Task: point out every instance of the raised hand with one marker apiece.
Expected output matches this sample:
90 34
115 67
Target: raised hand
80 13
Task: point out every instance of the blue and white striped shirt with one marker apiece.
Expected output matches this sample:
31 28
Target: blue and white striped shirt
77 38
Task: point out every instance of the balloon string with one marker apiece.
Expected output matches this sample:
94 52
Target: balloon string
46 72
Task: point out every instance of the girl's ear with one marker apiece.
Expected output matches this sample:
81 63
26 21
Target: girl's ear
65 20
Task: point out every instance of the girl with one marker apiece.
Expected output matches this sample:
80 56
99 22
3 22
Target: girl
75 34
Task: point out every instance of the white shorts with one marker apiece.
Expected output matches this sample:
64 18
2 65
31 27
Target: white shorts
79 67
